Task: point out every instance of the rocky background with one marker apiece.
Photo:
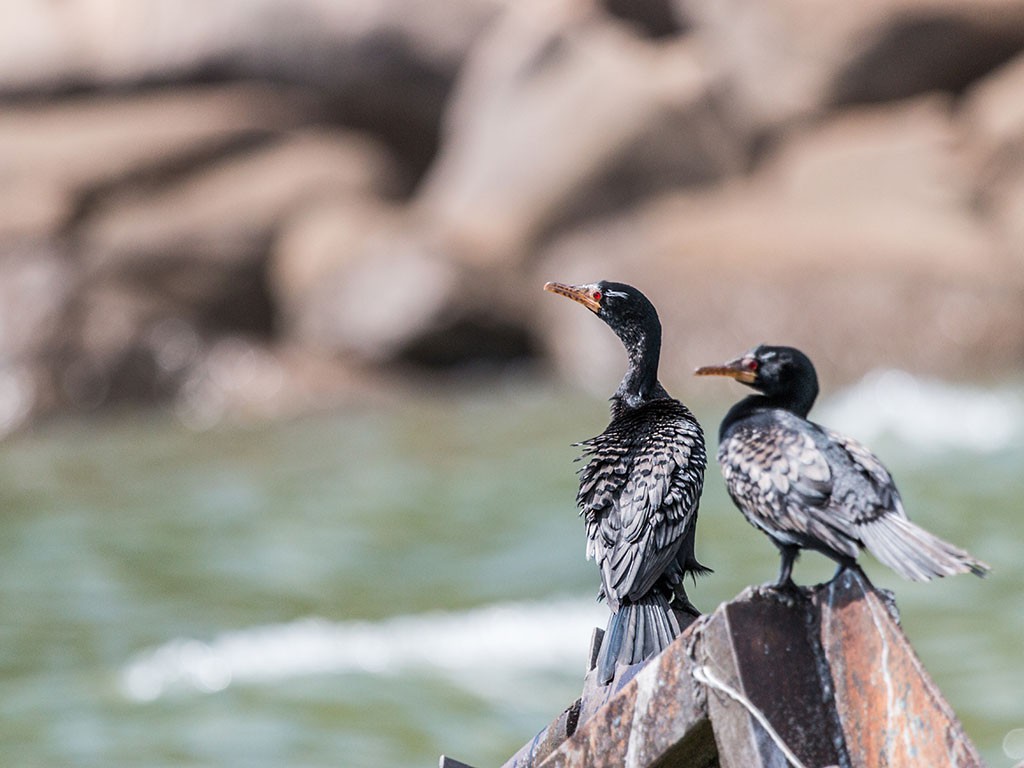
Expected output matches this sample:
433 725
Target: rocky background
254 207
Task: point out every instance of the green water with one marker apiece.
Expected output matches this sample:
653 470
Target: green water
411 523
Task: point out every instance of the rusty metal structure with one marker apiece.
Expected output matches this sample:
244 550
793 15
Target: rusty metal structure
825 678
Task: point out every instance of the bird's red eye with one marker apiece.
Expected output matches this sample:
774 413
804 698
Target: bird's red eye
751 365
597 295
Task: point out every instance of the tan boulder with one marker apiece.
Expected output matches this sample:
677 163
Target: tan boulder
35 287
993 120
55 155
372 282
786 59
993 116
171 263
360 278
383 66
237 379
48 46
226 210
857 240
562 112
202 239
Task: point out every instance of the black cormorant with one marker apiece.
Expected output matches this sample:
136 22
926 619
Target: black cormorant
809 487
640 488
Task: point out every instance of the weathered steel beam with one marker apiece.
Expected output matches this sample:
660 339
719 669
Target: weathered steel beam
759 661
658 714
823 677
891 712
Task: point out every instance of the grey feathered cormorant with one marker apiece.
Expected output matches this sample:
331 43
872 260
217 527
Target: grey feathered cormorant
809 487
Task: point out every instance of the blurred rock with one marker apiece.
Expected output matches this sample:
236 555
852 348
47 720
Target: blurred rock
650 18
32 209
787 59
1008 218
202 239
370 305
105 356
169 264
369 281
993 119
857 241
347 283
198 201
48 46
993 114
562 113
913 47
226 209
312 250
53 157
18 401
239 380
35 287
387 64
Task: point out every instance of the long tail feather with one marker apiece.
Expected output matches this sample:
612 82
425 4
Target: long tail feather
914 553
636 632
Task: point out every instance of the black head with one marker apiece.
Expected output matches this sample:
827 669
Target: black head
635 321
782 374
625 309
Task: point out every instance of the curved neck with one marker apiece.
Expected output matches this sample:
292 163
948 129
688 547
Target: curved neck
640 384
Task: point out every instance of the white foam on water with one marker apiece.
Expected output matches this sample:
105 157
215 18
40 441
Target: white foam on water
927 414
514 637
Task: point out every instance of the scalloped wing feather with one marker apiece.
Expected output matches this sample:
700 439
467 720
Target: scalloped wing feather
638 496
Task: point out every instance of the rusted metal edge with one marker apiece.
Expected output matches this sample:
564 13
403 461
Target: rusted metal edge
657 712
548 740
769 699
823 677
891 712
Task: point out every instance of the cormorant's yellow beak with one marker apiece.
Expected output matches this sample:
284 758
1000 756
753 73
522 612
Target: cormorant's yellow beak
587 295
743 369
